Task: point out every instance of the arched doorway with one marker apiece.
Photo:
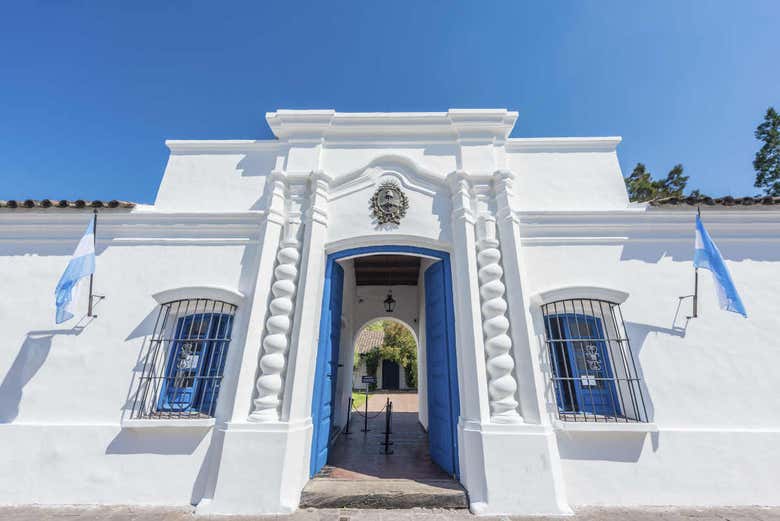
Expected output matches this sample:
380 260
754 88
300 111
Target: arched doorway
385 349
436 333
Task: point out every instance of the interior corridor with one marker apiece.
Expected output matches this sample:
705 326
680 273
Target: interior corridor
360 455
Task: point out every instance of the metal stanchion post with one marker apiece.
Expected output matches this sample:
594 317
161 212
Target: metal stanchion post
349 416
365 418
388 423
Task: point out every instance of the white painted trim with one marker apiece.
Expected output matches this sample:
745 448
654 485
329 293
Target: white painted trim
388 240
313 126
231 296
235 146
168 423
564 144
615 296
606 427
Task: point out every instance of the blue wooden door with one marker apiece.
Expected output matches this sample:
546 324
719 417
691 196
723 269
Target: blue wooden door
185 362
222 325
582 360
443 406
327 365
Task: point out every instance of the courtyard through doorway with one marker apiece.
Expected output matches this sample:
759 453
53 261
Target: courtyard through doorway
402 351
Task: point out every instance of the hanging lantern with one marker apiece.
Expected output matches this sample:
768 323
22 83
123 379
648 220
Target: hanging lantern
389 302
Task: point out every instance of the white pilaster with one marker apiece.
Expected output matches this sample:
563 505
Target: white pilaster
526 351
277 338
522 470
472 382
470 350
247 372
303 353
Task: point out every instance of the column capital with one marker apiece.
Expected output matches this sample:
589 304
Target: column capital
319 195
460 190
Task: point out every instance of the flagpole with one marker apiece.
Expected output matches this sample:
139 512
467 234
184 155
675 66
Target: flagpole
696 280
92 275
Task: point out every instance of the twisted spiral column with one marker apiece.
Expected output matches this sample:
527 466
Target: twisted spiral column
498 345
277 338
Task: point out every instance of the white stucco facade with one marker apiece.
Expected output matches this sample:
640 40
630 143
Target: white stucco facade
551 214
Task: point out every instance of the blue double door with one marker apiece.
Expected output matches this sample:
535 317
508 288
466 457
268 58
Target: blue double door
442 381
195 360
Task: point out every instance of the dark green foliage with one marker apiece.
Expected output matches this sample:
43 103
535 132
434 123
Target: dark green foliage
642 187
399 346
767 160
640 184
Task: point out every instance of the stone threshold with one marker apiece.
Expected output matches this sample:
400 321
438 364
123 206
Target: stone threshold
383 493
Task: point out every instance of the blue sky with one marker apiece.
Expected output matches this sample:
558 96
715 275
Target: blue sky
89 91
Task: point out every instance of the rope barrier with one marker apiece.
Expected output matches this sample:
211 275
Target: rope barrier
364 415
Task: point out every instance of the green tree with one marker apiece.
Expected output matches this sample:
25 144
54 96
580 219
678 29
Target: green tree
640 184
674 183
642 187
398 346
767 160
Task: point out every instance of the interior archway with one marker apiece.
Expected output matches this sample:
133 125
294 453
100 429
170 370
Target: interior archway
385 343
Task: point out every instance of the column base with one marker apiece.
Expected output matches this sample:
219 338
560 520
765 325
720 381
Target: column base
511 469
262 469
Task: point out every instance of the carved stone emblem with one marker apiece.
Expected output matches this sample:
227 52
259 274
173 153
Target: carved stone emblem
389 203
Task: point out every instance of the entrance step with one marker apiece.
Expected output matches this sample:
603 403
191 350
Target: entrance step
383 493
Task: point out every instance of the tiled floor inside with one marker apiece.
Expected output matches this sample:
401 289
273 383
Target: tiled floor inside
360 455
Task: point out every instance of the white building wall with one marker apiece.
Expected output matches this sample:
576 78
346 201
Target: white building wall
710 384
567 174
708 381
65 389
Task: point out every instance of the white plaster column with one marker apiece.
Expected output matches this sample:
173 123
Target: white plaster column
278 326
498 344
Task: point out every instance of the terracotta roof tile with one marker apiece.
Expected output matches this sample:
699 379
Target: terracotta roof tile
725 202
64 203
368 340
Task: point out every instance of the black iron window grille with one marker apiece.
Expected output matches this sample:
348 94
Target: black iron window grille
183 364
594 374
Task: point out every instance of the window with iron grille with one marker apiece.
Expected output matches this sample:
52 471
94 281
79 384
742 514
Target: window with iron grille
594 374
183 364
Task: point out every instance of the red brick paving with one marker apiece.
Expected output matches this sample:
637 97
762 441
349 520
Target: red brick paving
360 456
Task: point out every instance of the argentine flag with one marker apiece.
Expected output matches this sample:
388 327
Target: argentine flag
708 257
81 264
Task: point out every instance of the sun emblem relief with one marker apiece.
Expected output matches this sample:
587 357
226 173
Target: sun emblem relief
389 203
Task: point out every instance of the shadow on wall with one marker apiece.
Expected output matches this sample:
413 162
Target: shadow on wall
681 251
258 164
623 447
157 441
30 358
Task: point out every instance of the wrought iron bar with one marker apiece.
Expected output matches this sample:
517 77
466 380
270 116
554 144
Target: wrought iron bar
182 367
593 371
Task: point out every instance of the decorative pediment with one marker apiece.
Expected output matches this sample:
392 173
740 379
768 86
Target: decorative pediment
407 173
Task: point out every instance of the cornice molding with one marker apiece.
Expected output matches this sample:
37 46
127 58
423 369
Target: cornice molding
484 125
221 293
564 144
552 228
227 146
219 228
615 296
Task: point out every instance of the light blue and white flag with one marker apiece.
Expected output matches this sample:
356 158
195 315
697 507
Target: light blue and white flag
708 257
81 264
